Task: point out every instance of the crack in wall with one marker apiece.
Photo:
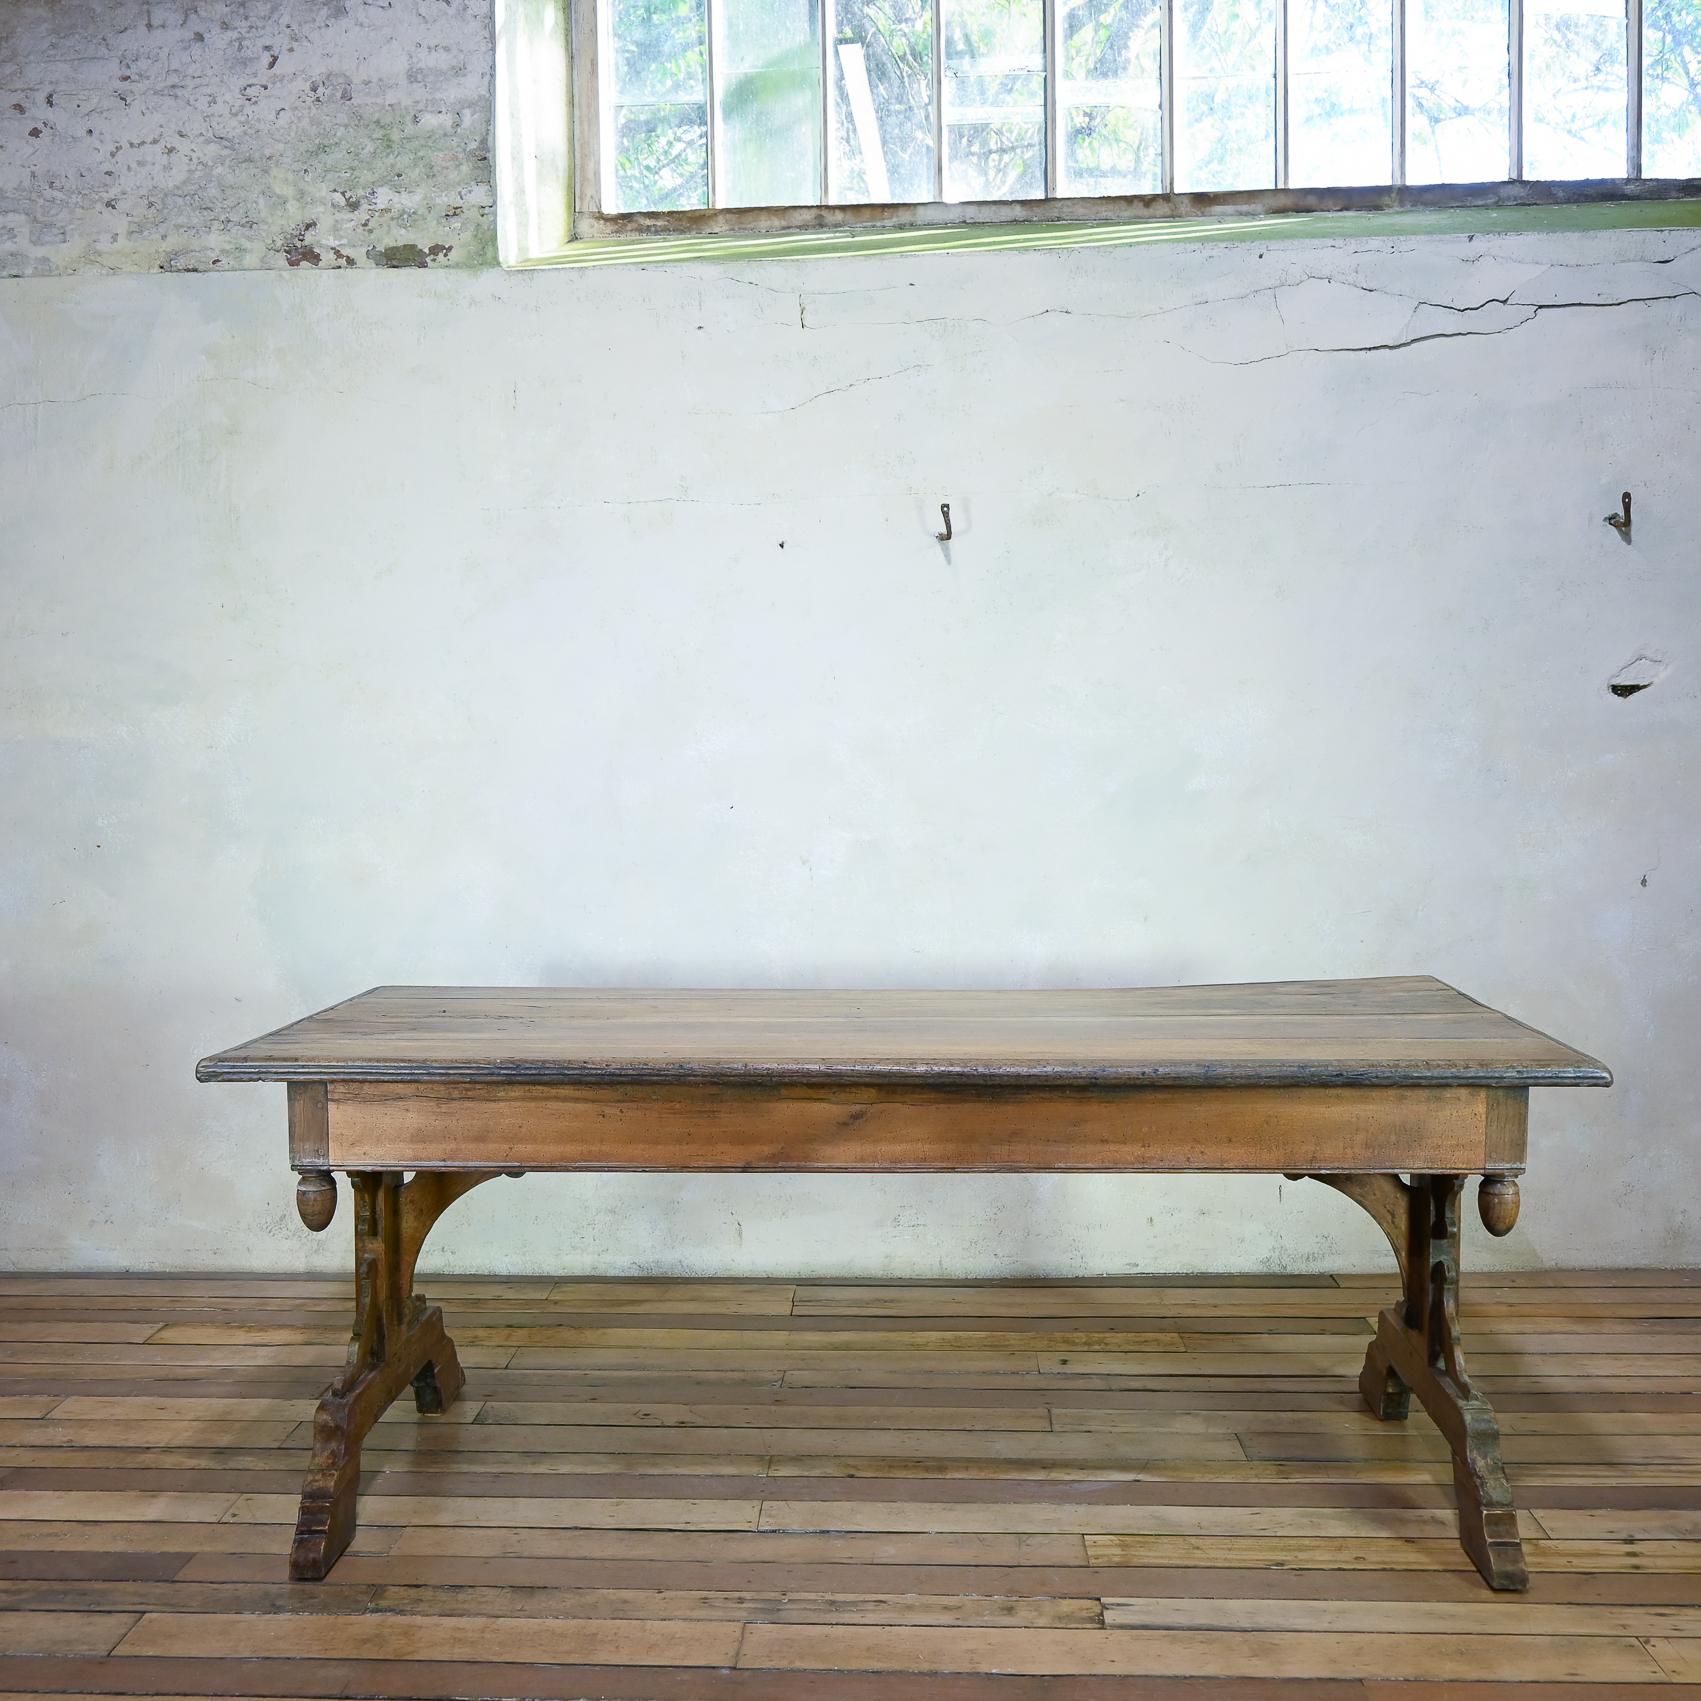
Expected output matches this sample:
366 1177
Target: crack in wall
1274 291
818 395
67 401
1532 311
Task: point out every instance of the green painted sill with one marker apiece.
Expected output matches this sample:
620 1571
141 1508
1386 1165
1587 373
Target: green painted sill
975 239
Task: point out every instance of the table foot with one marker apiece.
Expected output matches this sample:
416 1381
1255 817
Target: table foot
439 1384
398 1340
1416 1350
1379 1384
1489 1533
324 1525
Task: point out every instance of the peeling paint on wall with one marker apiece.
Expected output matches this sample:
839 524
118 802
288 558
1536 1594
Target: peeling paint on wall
409 254
245 134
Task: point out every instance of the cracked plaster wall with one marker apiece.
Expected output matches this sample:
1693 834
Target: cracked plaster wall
589 627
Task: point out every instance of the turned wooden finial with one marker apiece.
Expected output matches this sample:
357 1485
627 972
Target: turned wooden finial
1497 1203
316 1198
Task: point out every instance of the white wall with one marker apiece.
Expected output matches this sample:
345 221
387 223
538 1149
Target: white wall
589 627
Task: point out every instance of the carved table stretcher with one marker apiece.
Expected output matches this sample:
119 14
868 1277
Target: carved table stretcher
1392 1091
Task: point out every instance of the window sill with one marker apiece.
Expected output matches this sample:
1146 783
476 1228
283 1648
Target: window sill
651 250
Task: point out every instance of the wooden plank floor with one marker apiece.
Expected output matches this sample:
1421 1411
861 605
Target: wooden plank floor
755 1491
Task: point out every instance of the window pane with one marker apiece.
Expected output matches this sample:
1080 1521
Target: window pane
1574 88
767 104
661 158
1671 84
656 134
994 99
1225 93
1340 92
883 101
1110 98
1458 83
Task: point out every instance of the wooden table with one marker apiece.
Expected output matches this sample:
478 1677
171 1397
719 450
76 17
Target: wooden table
1393 1091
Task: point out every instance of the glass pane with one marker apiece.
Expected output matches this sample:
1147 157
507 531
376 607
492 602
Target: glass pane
1340 92
1225 94
661 158
883 101
994 100
656 132
767 104
1458 91
1574 88
1671 88
1110 98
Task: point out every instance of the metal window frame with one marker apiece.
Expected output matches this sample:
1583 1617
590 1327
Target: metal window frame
1633 87
937 14
1514 88
827 21
1397 96
1166 95
711 103
1053 76
590 48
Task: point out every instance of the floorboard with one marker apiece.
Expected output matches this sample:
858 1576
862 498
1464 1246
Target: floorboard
1159 1489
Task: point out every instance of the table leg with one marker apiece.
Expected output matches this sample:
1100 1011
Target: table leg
398 1340
1416 1350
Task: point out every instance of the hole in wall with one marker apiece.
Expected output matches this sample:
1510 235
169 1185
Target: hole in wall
1637 675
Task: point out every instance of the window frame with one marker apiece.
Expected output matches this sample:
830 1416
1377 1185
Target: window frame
549 140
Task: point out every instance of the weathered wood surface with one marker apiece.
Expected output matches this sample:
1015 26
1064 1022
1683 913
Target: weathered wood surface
1406 1031
1354 1082
754 1520
508 1125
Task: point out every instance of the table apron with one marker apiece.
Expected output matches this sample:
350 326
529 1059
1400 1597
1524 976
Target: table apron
368 1125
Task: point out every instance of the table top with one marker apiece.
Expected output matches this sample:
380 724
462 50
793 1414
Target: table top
1399 1031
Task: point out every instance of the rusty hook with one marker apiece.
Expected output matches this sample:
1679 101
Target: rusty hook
945 515
1620 522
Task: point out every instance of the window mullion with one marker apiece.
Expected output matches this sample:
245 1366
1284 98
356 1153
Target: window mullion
827 21
1515 70
1053 76
938 100
1281 94
1399 92
1166 92
714 102
1633 70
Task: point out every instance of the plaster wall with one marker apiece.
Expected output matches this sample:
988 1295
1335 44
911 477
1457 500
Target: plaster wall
589 627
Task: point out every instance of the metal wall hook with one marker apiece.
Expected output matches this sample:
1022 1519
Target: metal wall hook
1620 522
945 515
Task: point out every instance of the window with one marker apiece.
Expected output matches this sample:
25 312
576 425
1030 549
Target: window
693 116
